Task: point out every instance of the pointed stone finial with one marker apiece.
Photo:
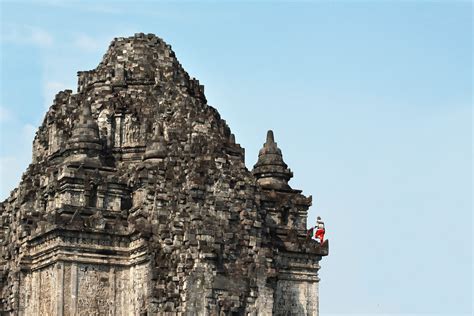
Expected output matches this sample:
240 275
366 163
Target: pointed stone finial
270 138
270 170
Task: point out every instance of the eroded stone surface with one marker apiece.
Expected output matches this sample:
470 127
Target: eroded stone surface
138 202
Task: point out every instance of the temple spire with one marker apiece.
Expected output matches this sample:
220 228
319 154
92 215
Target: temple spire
270 170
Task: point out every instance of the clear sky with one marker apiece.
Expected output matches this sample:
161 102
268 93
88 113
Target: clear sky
370 103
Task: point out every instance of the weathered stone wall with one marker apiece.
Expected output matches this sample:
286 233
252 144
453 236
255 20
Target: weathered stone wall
84 289
138 201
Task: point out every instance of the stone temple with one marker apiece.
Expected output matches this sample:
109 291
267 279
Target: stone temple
138 202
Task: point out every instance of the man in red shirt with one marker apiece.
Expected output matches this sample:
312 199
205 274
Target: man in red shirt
319 230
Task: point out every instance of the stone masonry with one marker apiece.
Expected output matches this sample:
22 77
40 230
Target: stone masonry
138 202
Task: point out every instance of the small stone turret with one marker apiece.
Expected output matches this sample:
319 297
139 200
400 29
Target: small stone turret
85 135
84 146
270 170
156 149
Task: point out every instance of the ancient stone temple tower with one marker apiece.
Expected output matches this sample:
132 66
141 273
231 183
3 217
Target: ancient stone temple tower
138 202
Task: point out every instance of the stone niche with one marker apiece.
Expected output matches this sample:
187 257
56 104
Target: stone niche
84 274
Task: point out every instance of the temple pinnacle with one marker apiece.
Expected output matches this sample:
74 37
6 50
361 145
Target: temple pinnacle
270 170
270 138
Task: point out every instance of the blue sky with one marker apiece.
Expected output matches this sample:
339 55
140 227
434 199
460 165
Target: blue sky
369 101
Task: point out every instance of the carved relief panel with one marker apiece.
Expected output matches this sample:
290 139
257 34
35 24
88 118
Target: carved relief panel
69 289
131 130
95 294
47 290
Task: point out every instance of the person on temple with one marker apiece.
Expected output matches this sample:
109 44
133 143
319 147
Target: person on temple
319 230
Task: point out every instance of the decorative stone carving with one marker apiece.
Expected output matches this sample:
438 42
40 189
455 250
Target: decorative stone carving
131 130
95 295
